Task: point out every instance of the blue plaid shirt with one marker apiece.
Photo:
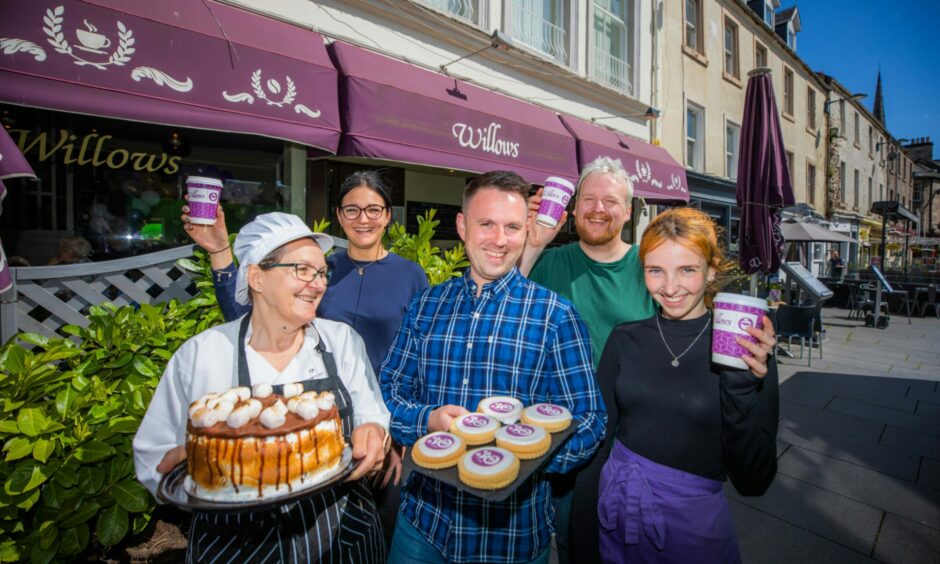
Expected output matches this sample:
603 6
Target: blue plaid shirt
517 339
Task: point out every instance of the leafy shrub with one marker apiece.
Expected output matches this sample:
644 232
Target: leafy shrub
438 267
70 412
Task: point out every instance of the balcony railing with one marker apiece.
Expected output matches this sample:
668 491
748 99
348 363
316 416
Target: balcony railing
613 71
465 9
538 33
608 67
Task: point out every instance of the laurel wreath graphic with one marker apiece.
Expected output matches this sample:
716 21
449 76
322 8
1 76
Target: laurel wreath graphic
10 46
53 29
275 88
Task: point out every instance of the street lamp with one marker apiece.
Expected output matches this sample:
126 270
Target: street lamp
893 155
650 114
828 103
498 40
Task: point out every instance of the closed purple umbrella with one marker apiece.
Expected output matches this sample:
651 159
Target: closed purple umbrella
12 165
764 186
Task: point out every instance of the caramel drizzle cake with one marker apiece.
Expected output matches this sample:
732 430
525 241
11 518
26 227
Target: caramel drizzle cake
249 443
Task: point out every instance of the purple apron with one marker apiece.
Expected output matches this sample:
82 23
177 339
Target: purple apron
653 513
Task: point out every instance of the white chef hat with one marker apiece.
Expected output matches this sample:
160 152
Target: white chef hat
266 233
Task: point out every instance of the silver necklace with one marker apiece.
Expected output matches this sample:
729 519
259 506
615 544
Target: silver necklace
675 358
362 266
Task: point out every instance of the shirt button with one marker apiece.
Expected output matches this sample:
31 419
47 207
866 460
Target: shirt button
466 381
476 315
490 339
469 345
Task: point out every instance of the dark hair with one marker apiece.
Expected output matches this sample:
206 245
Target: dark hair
368 178
502 180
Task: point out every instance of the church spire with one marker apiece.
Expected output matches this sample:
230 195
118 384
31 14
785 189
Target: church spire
879 106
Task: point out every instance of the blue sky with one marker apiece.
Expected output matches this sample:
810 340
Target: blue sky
850 39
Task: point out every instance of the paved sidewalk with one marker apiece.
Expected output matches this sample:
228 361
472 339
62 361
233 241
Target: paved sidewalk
858 453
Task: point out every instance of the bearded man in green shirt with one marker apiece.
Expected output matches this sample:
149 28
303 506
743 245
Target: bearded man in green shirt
602 276
601 273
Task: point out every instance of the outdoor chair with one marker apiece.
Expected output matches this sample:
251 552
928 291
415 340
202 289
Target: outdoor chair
799 321
865 301
931 301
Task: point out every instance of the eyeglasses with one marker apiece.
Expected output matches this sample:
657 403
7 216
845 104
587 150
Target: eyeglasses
352 212
302 272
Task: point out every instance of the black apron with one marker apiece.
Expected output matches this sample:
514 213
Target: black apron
338 525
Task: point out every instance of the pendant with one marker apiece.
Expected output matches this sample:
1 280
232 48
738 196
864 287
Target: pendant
360 270
675 362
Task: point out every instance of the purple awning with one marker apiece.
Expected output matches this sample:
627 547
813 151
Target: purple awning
12 162
396 111
12 165
176 62
656 176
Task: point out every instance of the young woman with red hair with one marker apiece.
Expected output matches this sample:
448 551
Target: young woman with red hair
678 424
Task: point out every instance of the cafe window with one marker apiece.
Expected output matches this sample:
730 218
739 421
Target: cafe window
120 184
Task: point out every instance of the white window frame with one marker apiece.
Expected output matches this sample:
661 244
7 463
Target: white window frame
768 14
788 86
732 149
858 127
629 58
566 45
698 26
695 161
731 54
791 36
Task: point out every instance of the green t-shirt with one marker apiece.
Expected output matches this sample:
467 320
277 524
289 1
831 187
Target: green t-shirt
605 294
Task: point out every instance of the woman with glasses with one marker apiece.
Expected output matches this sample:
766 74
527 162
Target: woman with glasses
369 288
282 272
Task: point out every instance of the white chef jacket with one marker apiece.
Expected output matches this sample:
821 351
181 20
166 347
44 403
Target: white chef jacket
208 363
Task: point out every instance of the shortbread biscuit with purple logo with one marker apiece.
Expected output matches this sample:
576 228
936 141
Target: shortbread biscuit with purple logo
505 409
553 418
525 441
488 468
438 450
475 428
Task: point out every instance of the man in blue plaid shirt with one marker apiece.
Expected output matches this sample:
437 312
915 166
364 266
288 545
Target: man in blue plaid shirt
490 332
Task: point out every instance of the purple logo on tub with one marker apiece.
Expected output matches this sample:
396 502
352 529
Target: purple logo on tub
519 430
549 410
213 196
439 442
476 421
501 406
486 457
744 323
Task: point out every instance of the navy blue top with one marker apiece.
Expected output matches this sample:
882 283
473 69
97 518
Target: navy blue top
373 304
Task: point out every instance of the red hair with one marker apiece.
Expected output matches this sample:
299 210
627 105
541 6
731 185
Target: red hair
691 228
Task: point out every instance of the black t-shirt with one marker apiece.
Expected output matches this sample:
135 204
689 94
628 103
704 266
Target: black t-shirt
697 417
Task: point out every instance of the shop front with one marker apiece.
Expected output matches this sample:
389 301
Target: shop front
113 104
